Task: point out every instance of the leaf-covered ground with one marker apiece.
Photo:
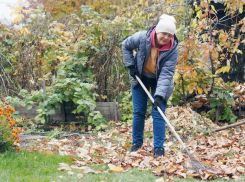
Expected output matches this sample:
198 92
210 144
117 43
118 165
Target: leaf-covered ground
223 150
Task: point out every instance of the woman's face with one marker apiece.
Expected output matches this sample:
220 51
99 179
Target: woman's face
163 38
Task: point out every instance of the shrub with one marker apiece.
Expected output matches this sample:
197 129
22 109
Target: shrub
9 139
126 106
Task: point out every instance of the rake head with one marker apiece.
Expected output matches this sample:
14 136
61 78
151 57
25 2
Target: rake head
197 166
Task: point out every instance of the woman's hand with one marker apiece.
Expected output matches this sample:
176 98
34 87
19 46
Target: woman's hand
157 102
133 72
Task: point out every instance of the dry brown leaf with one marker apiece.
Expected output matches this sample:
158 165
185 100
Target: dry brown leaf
70 172
111 166
240 169
171 170
76 167
156 163
134 164
79 176
80 163
48 152
89 170
238 178
160 180
64 166
181 174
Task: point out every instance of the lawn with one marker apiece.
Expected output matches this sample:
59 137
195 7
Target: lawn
38 167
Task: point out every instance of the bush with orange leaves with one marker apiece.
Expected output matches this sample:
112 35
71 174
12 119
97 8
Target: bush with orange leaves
9 139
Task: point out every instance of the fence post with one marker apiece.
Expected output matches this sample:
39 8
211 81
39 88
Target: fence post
115 110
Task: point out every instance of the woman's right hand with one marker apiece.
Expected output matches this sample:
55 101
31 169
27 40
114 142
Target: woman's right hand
133 71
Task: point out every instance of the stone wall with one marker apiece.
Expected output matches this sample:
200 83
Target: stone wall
109 109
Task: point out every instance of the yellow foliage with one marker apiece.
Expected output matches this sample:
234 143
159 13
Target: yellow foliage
118 18
26 11
241 8
199 90
199 13
24 31
194 73
218 80
17 19
223 69
205 90
213 8
191 87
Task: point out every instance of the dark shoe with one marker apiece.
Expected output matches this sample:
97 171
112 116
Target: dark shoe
135 147
159 152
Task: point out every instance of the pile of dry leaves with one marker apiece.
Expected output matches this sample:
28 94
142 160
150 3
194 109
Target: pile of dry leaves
223 150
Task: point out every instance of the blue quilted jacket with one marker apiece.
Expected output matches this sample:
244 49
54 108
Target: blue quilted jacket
167 61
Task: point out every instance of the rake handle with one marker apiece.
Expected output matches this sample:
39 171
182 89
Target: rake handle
164 117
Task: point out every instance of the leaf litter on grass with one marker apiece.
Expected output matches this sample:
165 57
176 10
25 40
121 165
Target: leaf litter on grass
223 150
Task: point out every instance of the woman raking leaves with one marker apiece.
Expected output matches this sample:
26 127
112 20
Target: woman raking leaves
154 63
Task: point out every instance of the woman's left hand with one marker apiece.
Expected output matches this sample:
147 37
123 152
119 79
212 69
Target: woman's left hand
157 102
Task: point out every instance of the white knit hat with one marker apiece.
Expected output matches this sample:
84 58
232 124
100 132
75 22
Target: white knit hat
167 24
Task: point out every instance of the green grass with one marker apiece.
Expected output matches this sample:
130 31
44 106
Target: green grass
149 134
26 166
37 167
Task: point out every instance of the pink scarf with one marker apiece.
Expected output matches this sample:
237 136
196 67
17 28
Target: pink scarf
165 47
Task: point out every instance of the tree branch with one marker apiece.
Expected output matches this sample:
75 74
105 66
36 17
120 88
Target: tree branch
229 126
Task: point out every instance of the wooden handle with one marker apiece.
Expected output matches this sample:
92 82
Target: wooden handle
164 117
229 126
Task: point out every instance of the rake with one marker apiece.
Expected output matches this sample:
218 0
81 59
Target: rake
196 165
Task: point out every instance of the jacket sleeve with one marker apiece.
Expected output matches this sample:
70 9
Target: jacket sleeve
128 46
166 75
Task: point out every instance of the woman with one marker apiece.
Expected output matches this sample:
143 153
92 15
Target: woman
154 63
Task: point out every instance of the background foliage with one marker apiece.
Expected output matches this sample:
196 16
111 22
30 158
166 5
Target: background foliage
75 46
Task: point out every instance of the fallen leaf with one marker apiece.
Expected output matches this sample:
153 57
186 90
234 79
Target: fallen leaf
238 178
172 169
111 166
89 170
79 176
156 163
64 166
106 161
48 152
160 180
181 174
240 169
118 169
80 163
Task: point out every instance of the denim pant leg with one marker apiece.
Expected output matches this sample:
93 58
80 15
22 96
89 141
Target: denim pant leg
158 124
140 107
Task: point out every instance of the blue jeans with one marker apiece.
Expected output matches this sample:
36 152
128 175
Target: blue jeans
140 108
